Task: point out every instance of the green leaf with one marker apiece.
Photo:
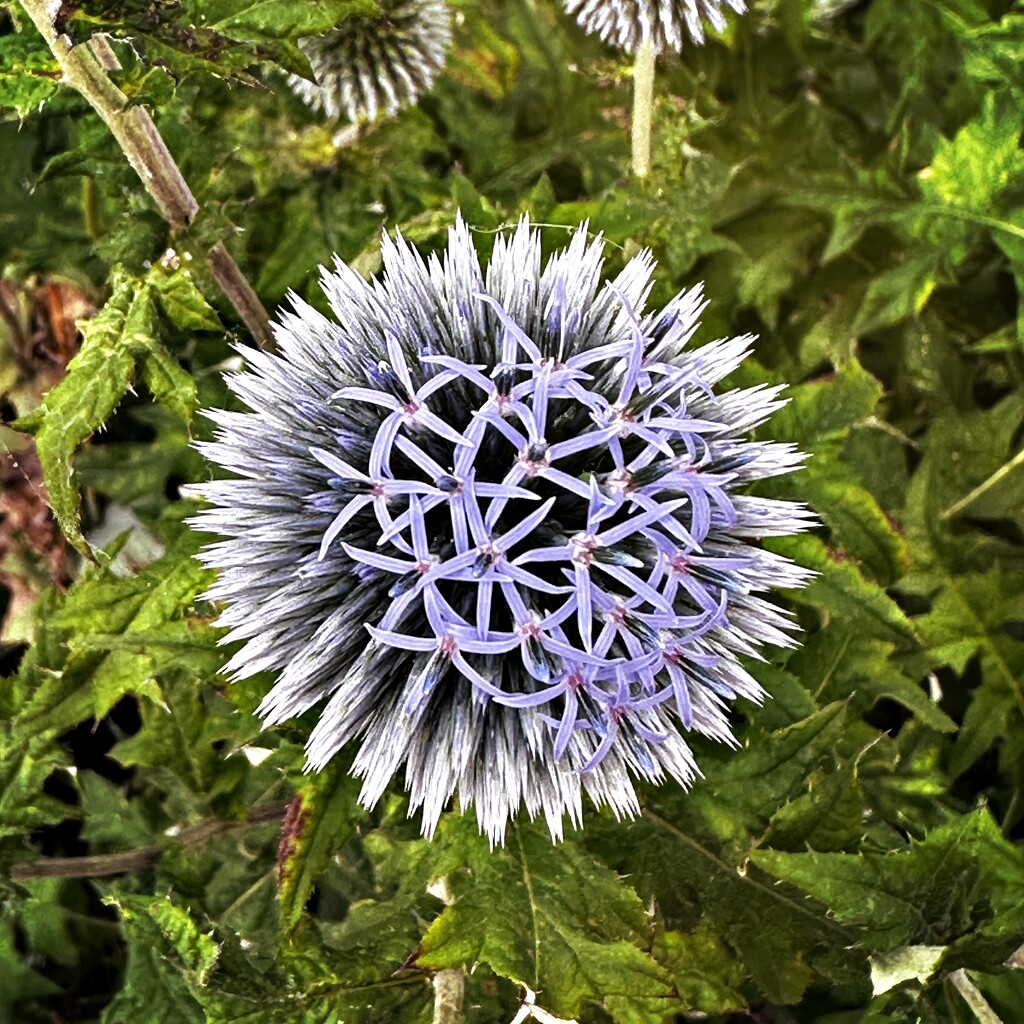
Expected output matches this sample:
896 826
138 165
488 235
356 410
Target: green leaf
900 292
841 663
320 819
932 893
180 299
842 590
153 989
820 413
222 37
146 636
982 166
311 985
705 972
29 73
119 341
567 926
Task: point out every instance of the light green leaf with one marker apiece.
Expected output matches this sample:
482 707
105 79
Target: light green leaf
29 73
146 634
982 163
907 963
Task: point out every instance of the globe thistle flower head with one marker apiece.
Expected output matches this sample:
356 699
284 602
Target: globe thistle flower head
493 518
372 65
666 24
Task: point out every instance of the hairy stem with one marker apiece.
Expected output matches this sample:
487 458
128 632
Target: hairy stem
85 69
643 106
449 988
107 864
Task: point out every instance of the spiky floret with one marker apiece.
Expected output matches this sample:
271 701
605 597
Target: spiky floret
370 65
666 23
492 517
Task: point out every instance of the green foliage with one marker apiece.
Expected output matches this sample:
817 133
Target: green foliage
29 74
568 927
848 180
222 37
121 343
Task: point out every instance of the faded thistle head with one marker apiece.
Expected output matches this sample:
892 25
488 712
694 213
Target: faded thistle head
376 64
495 519
627 24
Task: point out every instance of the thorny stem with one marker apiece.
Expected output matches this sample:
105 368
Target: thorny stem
85 69
643 105
105 865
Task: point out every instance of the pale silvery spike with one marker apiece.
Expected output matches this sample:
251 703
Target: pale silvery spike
667 24
376 64
490 517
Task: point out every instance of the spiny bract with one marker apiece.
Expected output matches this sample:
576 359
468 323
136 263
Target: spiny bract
628 23
375 64
492 516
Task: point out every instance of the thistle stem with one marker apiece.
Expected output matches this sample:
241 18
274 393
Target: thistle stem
973 998
449 988
105 865
643 107
85 69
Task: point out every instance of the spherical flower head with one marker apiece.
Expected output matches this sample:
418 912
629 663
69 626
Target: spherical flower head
375 64
627 24
495 519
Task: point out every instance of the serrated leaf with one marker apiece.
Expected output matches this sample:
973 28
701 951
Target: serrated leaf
858 524
99 672
842 590
180 299
690 854
900 292
828 817
222 37
983 163
568 927
820 413
322 816
840 663
704 970
120 341
972 615
29 74
932 893
211 966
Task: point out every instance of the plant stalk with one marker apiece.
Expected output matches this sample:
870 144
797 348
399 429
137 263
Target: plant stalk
449 989
105 865
85 69
643 107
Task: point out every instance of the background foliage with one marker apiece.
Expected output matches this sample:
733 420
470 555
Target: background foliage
848 179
